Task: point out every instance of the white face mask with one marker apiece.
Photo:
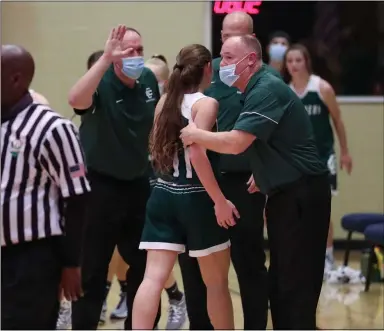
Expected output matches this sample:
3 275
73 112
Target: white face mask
277 52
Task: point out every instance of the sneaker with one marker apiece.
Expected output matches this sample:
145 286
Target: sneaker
177 314
329 266
103 314
121 310
64 320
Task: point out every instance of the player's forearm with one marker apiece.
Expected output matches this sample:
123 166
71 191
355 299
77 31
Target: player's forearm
220 142
342 136
205 173
80 95
74 219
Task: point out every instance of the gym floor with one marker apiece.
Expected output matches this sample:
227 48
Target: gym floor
340 306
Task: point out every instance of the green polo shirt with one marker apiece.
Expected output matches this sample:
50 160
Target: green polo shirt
115 131
230 105
284 149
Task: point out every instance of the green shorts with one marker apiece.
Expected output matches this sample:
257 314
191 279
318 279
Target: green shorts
181 217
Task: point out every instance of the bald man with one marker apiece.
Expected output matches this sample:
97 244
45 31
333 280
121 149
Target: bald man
38 98
275 129
43 182
117 97
247 251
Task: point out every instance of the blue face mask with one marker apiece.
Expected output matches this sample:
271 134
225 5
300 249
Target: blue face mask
133 66
277 51
227 73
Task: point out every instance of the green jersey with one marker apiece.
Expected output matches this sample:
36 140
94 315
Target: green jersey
230 105
319 115
284 150
115 130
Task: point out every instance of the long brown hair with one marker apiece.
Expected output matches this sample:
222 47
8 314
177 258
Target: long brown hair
186 77
307 59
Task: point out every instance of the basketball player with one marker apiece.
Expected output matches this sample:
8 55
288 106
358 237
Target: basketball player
320 102
177 311
181 210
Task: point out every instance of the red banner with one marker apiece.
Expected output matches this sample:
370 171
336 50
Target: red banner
227 7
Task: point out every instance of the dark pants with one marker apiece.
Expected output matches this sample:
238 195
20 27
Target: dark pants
297 220
30 278
116 216
247 255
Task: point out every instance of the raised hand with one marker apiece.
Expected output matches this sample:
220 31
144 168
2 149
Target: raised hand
113 50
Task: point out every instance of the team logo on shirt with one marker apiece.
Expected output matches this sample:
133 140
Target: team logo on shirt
149 94
16 147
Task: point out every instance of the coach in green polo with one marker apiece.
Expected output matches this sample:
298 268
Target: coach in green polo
247 237
247 246
275 128
117 97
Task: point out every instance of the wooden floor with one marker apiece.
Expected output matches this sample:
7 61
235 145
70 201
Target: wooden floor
340 307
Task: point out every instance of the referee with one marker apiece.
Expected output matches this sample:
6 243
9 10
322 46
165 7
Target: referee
42 183
275 128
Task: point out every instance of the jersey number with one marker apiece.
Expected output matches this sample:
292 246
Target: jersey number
188 167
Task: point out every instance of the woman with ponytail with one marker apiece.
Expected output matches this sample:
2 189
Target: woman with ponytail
177 310
186 207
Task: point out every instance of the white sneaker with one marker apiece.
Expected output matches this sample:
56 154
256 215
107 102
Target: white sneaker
64 320
329 266
103 314
121 310
177 314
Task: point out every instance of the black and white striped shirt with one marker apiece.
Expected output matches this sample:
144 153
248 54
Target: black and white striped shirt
41 162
